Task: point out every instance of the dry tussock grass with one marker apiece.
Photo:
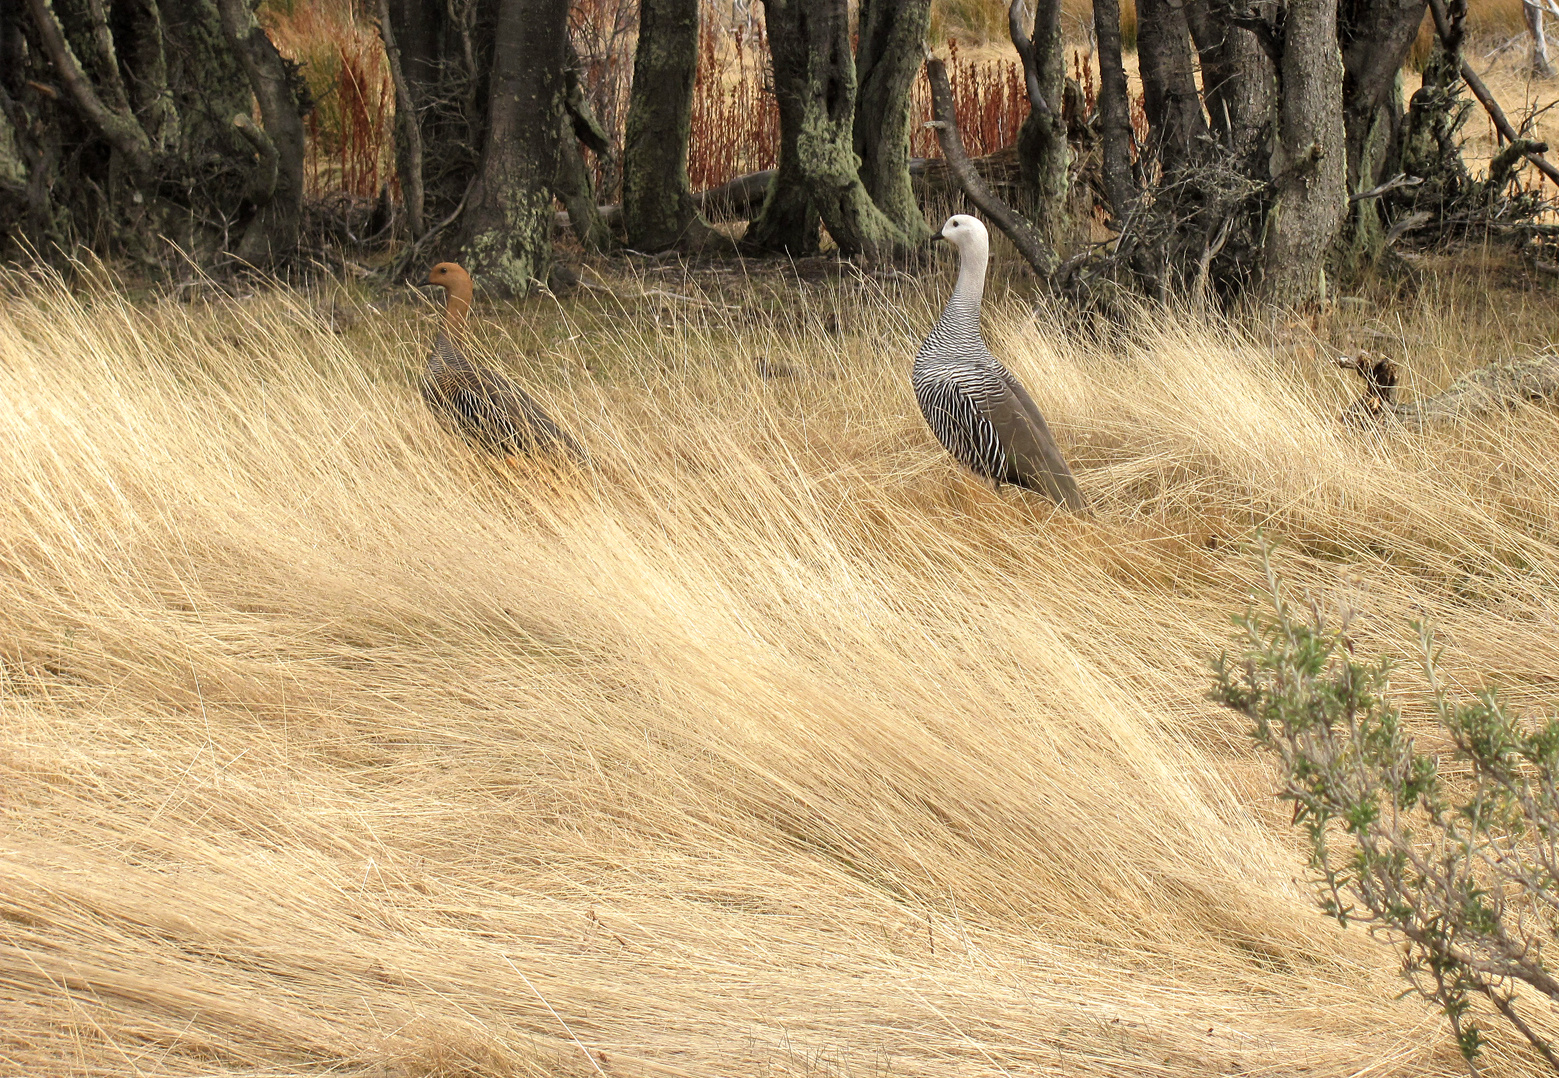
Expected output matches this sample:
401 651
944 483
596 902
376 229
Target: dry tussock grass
773 746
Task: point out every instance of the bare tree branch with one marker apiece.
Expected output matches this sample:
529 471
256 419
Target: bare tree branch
1451 36
120 128
1030 244
1020 41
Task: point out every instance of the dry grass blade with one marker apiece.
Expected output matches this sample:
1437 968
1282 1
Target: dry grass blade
772 746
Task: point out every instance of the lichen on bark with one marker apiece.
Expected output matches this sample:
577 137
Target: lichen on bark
508 222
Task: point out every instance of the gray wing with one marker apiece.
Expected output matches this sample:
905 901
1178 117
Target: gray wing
493 411
1033 458
531 426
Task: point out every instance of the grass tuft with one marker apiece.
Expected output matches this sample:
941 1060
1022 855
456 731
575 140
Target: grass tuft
773 744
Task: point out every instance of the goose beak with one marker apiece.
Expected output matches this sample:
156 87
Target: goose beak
937 237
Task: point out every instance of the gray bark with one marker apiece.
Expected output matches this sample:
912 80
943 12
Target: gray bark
814 76
1114 116
658 208
1375 37
508 218
1043 153
1309 165
446 54
887 58
1177 129
1239 84
1541 67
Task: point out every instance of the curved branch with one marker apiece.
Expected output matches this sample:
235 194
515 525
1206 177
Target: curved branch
1451 33
1025 47
261 187
1024 236
121 129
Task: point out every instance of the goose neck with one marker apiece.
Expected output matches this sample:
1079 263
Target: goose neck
970 288
457 305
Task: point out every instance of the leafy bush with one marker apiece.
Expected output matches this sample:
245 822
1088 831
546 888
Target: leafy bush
1459 868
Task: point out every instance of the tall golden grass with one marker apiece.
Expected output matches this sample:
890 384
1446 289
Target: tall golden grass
773 745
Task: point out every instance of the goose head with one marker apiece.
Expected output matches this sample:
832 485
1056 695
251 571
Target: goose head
967 234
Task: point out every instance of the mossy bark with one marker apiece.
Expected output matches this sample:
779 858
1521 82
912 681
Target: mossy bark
1377 155
787 222
888 55
124 117
575 190
272 233
658 209
1044 158
814 81
507 225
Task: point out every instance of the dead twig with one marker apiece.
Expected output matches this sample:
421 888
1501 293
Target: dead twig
1451 36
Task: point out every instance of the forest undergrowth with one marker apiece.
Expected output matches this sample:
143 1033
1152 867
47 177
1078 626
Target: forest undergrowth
770 745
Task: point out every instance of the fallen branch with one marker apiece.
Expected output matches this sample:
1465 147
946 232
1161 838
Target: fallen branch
1400 180
1493 387
1024 236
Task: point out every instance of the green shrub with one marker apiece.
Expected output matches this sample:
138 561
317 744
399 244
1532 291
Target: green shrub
1459 869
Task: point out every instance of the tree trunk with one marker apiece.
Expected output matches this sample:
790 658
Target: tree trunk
788 220
814 77
1114 111
408 128
508 219
1375 36
1043 153
1177 130
1309 166
575 190
574 187
124 117
1239 84
273 232
887 58
1534 16
658 209
446 54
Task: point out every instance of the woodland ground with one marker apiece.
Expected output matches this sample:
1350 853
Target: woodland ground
772 745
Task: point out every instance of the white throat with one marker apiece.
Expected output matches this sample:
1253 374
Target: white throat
973 254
